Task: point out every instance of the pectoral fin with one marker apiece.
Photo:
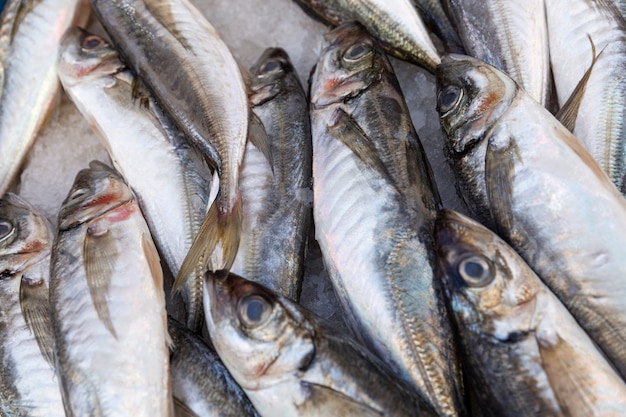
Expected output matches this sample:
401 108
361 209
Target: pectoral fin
99 255
499 172
181 410
324 401
258 136
34 303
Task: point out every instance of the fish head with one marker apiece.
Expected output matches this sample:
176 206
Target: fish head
84 56
489 286
25 235
351 60
268 73
262 338
96 191
471 96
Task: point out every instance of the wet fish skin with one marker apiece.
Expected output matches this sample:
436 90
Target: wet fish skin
375 204
200 380
549 199
395 23
28 48
145 146
510 35
28 385
290 364
579 30
277 243
435 17
194 77
107 303
527 353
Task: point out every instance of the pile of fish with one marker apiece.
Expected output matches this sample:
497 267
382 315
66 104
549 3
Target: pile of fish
207 194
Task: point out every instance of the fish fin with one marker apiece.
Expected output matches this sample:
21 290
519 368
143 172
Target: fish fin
34 302
229 229
328 402
258 137
99 254
499 169
181 409
348 132
140 93
80 386
568 113
571 382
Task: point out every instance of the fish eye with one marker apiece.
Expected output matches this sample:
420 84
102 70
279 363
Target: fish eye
270 67
475 270
78 193
6 229
357 51
448 98
92 42
254 310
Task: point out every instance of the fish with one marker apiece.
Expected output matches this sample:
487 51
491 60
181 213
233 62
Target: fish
28 384
374 207
588 57
170 178
192 74
546 195
395 23
200 381
527 354
276 194
108 314
30 32
290 364
510 35
436 19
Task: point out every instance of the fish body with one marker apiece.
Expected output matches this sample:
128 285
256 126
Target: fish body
199 379
510 35
107 303
592 34
527 354
290 364
435 17
277 211
29 42
396 24
28 384
171 179
176 52
547 196
374 208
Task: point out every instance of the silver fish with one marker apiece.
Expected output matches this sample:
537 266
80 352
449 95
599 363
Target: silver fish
547 196
28 384
511 35
527 355
171 180
435 17
374 207
107 303
276 193
290 364
193 75
395 23
200 381
588 42
29 43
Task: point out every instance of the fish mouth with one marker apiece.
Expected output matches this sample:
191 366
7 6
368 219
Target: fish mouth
83 54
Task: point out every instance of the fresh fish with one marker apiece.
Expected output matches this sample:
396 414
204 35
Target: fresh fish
527 354
277 210
395 23
511 35
171 180
192 74
28 385
200 381
30 32
290 364
547 196
107 303
434 16
588 41
374 207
